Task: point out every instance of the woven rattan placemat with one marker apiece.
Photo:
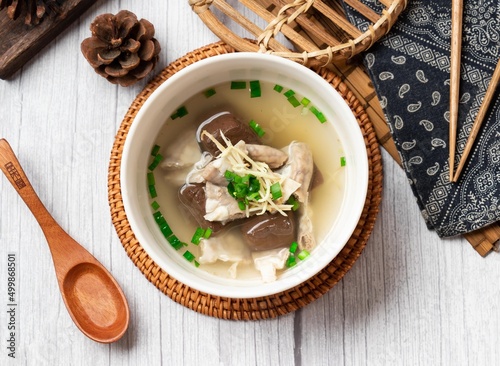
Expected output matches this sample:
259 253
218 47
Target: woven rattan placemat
254 308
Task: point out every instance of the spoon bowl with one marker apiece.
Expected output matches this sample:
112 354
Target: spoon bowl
94 300
102 316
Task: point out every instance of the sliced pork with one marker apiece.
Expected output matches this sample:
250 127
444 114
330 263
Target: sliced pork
273 157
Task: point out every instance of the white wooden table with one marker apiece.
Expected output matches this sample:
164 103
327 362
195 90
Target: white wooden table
411 298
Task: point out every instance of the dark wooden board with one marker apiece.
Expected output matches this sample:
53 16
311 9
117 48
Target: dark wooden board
20 42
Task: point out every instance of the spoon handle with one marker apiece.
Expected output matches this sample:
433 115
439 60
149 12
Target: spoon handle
16 176
60 243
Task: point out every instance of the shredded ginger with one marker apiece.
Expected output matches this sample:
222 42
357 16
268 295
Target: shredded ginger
242 165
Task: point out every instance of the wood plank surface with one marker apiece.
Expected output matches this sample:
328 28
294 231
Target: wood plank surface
20 42
410 299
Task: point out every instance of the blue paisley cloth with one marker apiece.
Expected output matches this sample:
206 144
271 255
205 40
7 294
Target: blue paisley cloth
410 70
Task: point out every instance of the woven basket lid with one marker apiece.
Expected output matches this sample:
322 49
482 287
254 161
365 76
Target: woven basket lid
318 28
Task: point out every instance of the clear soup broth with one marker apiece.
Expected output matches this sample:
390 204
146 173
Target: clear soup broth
283 122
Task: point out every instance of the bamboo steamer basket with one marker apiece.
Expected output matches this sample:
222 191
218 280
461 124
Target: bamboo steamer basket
318 29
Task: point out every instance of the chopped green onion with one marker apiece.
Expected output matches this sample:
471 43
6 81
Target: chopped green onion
254 185
152 191
240 190
162 224
155 150
256 128
158 158
230 189
305 102
291 261
175 242
188 255
158 216
209 92
293 201
289 93
208 233
243 189
181 112
160 220
253 124
166 230
320 116
155 205
238 84
229 175
278 88
276 191
303 254
293 101
254 196
293 247
255 91
242 205
151 179
342 161
196 264
198 234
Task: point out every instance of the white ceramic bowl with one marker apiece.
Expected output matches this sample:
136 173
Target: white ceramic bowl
199 77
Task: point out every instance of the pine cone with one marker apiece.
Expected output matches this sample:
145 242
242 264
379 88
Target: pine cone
122 49
35 10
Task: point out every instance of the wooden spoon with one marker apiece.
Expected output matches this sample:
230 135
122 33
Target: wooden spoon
93 298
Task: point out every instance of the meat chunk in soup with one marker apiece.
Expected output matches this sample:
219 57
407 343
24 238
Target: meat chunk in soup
228 250
193 198
299 167
184 152
269 231
220 206
273 157
267 262
305 236
232 128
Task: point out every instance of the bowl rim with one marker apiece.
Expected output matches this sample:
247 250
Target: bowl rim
238 289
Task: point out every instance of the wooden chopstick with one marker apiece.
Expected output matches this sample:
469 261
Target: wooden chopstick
479 119
456 52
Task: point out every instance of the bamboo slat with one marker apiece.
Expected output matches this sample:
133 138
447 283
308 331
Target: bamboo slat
456 52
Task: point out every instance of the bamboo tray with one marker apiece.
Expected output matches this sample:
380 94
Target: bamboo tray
327 38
